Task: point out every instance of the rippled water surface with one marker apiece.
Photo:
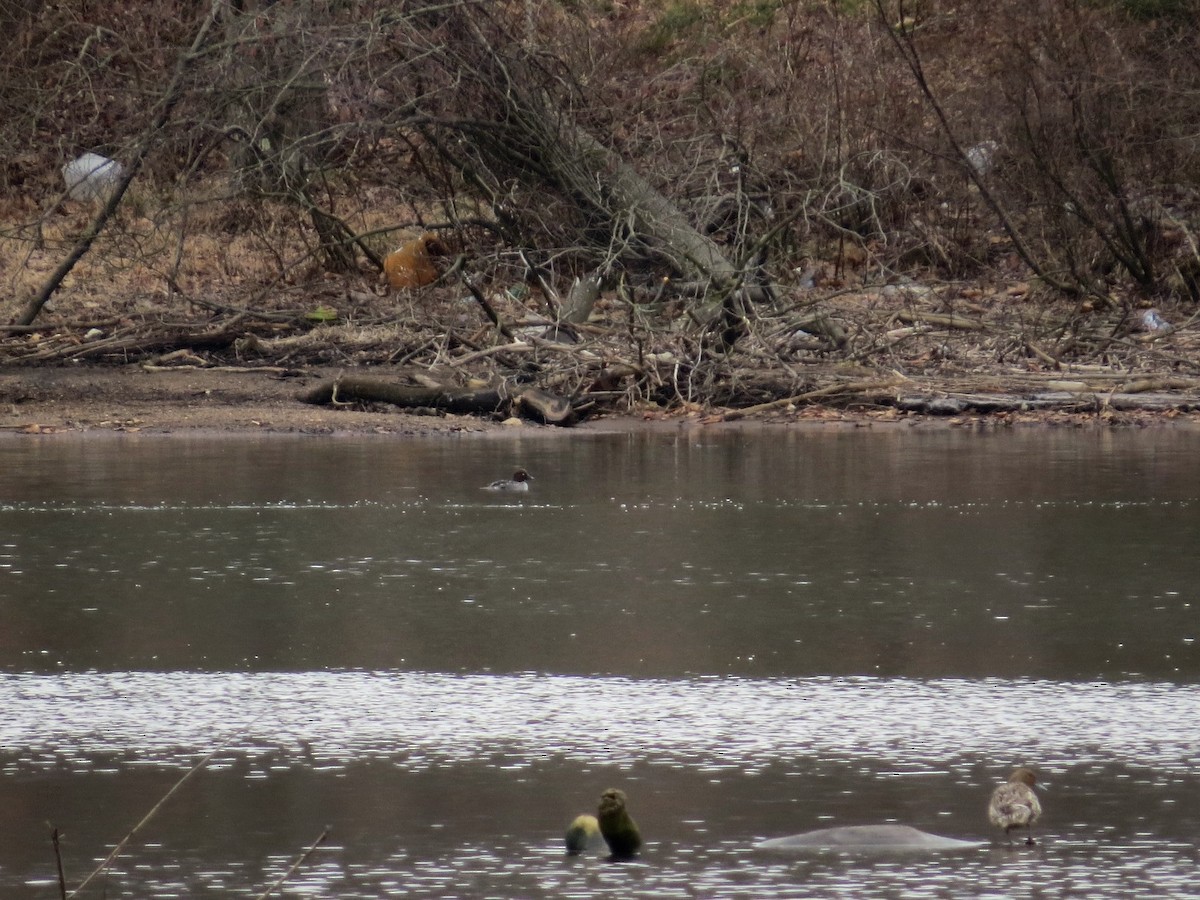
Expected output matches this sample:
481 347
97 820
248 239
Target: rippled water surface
753 633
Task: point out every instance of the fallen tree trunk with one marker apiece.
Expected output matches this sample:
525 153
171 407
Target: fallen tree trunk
545 407
354 388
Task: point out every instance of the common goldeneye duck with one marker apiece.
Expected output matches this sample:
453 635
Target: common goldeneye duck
1015 805
519 482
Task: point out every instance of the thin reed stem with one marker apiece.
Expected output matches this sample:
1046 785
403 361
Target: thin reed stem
62 879
296 865
146 818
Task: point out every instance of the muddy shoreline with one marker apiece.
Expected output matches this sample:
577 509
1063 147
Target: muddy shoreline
57 400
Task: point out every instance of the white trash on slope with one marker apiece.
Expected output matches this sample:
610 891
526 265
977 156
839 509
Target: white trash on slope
92 176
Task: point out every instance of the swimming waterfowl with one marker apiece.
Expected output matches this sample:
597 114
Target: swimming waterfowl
619 830
519 482
1015 805
583 833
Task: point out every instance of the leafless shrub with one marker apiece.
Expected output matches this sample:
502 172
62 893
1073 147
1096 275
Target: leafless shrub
1094 118
793 136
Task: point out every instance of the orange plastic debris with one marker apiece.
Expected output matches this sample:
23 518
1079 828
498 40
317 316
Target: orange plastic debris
412 266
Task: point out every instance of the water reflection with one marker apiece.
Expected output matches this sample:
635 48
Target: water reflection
593 585
753 634
422 720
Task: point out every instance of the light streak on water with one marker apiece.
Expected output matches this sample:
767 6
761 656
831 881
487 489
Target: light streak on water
426 719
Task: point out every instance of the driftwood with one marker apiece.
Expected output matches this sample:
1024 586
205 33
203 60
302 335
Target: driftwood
125 345
543 406
547 407
941 321
355 388
878 388
1065 401
1146 385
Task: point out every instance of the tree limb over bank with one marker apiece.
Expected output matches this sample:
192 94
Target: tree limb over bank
515 124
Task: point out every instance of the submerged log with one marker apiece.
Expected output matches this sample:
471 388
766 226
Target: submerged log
546 407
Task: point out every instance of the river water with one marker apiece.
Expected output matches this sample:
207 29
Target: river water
752 632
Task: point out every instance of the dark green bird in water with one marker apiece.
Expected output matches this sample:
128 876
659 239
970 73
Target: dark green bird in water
583 833
618 828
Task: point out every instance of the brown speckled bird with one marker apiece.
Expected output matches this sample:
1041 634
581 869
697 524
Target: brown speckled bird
1015 805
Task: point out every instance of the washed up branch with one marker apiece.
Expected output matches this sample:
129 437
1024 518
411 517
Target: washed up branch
941 321
126 345
1146 385
872 386
1062 401
351 389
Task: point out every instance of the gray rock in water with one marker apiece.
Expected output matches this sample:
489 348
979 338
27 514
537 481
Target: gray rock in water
91 176
866 838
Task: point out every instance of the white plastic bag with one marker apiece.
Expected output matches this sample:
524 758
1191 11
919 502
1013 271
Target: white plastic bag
92 176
